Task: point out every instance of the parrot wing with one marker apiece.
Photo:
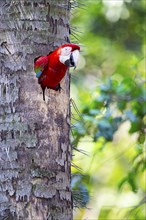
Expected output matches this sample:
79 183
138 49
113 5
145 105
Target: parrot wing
40 63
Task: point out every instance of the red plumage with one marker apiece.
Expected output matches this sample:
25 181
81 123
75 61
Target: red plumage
52 68
53 73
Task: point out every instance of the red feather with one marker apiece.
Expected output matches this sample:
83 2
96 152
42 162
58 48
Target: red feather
53 73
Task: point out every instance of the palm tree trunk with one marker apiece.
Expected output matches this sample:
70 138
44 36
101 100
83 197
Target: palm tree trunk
35 149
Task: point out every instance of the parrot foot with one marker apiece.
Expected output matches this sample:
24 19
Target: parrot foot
58 88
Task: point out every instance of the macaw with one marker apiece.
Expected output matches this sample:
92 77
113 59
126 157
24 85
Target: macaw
50 69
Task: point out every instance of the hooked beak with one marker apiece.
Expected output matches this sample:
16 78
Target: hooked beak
73 60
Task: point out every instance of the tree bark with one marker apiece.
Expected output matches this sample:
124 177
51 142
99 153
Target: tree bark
35 152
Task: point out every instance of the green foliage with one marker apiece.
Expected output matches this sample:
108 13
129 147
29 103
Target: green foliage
109 115
79 190
115 103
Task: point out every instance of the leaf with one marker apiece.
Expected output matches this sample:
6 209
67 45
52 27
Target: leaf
130 115
122 182
121 104
135 126
94 112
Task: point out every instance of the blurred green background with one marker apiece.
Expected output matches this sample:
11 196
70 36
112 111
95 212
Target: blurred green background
108 110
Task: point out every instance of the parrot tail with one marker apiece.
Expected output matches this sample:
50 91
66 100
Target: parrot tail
43 93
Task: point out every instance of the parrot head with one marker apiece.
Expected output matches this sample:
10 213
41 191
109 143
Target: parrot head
69 54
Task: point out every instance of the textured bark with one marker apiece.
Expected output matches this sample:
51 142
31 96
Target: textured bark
35 150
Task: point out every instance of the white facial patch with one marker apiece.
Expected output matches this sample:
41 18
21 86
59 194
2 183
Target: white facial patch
66 51
76 56
65 54
62 59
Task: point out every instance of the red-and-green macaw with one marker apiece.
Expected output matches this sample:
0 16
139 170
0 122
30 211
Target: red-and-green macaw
50 69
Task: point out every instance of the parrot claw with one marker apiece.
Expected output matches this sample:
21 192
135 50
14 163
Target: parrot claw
58 88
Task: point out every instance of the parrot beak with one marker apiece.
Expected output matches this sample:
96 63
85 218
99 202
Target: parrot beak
73 60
